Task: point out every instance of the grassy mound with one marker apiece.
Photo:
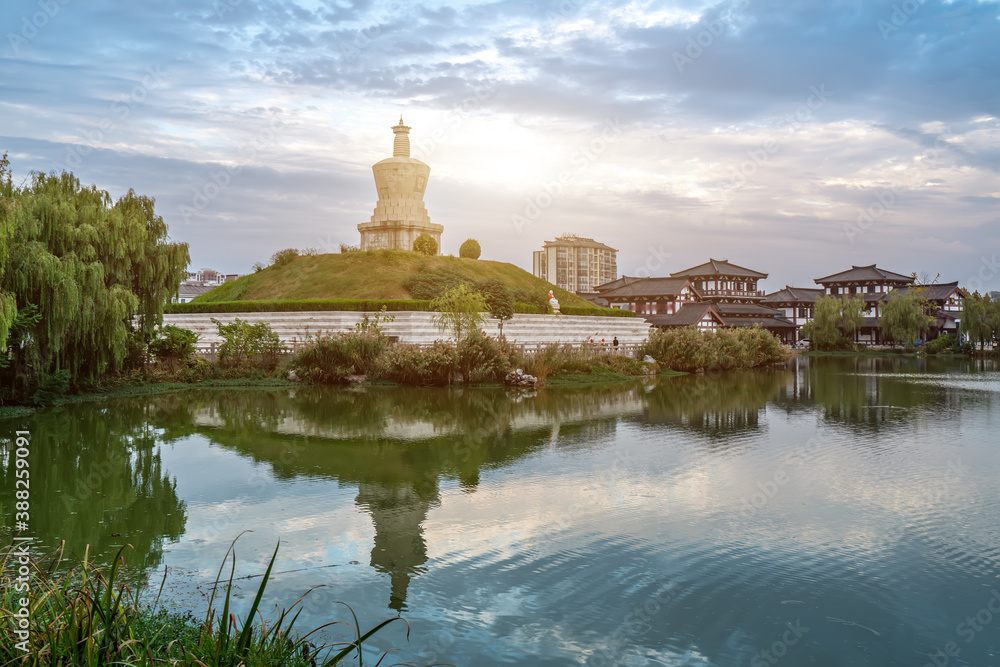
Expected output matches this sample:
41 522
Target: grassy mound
379 274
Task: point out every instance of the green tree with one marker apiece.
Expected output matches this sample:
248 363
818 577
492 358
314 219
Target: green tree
904 317
96 269
835 320
425 245
976 319
993 315
8 303
470 249
499 300
459 311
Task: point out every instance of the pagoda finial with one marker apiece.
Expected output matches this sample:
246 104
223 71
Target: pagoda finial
401 144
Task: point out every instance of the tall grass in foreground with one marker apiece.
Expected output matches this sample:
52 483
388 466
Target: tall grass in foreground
84 616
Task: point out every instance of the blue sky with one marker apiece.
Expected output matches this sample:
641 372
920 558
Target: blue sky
796 138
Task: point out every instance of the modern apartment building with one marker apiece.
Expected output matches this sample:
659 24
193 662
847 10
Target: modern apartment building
576 264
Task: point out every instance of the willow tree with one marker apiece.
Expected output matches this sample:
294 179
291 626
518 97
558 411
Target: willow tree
8 304
905 317
976 319
95 269
835 321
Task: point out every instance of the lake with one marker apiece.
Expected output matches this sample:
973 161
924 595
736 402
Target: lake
837 511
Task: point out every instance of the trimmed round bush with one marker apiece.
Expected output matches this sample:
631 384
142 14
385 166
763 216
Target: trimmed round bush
425 245
470 249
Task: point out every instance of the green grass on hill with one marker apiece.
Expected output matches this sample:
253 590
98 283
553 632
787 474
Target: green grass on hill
378 274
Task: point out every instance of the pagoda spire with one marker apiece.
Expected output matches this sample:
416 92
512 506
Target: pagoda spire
401 144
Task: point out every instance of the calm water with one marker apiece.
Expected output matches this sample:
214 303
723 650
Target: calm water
837 512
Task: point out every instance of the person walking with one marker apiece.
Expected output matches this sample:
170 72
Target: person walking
614 343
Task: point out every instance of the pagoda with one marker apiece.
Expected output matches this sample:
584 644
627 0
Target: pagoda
400 215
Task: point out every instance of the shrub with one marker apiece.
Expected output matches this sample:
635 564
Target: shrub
330 359
346 248
689 349
946 344
173 344
283 257
427 285
499 300
425 245
470 249
537 299
411 365
484 359
596 311
248 344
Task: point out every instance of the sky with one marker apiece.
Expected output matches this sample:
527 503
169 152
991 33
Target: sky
797 138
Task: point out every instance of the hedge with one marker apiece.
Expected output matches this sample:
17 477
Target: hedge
596 312
360 305
298 305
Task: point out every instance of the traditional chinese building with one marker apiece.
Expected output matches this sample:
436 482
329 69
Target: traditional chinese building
702 315
732 290
647 296
947 301
400 215
870 284
797 304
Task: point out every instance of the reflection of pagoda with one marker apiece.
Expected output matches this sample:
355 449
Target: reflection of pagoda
400 215
399 550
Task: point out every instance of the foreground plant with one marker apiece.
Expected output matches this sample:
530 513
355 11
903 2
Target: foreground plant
85 616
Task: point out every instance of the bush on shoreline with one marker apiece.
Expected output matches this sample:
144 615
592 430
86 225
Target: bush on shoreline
690 350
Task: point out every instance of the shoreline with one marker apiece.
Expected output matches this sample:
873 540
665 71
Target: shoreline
155 388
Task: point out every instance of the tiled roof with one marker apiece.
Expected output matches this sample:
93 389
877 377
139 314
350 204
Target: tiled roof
624 280
794 295
689 314
645 288
728 310
717 267
938 292
594 297
864 274
188 290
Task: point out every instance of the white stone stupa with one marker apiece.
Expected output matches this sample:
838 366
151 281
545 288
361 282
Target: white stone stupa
400 215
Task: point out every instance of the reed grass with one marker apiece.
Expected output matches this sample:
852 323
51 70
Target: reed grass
85 616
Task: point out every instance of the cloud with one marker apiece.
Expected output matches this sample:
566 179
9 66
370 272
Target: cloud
717 101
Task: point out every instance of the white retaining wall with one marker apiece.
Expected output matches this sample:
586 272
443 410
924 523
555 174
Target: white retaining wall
418 327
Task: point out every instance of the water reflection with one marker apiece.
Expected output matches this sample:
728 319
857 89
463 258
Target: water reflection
97 479
716 405
101 479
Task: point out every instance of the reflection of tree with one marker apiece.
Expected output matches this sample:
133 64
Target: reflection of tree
97 479
718 405
862 392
